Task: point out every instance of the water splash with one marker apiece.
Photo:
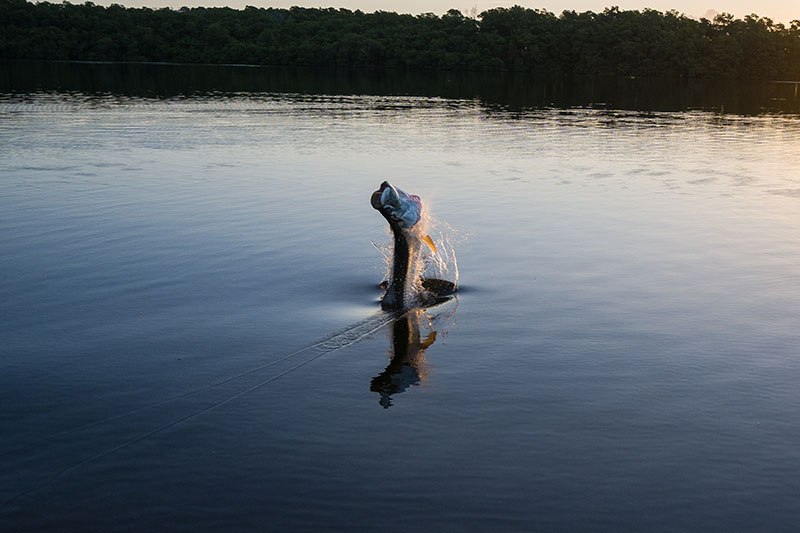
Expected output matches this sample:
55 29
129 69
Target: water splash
444 264
427 264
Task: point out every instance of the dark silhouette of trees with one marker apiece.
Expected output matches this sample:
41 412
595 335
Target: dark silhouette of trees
628 43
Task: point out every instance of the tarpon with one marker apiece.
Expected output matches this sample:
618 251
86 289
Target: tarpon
403 212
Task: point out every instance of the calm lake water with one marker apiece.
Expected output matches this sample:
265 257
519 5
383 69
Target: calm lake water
624 353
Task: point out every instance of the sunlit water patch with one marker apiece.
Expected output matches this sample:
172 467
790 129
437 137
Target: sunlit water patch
623 352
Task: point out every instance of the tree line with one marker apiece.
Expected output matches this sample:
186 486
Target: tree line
643 43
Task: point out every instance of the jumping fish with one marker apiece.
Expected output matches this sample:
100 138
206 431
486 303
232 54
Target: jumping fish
403 212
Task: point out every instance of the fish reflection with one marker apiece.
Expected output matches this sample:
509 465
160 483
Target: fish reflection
407 366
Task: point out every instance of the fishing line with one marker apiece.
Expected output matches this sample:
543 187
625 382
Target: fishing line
321 342
335 341
152 405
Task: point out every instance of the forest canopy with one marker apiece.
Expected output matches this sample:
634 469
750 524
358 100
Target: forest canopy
616 42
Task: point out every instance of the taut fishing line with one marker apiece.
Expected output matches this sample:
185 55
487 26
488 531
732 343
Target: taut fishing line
335 341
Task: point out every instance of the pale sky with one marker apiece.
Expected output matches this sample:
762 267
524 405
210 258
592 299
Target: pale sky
778 10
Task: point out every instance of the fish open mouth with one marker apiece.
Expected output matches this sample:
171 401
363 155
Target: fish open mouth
399 208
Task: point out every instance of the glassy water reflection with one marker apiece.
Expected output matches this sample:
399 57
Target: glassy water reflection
408 365
624 352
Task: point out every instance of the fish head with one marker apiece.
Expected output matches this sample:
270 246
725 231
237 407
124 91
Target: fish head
400 209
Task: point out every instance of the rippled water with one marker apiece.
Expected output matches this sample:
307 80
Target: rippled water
623 353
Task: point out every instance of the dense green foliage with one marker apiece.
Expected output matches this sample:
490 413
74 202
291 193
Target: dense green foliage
631 43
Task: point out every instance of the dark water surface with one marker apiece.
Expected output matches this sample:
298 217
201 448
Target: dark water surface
624 353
